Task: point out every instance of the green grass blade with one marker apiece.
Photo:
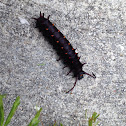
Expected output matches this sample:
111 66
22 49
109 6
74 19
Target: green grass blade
55 124
12 111
35 120
93 119
1 110
36 123
61 124
90 122
95 116
86 114
41 64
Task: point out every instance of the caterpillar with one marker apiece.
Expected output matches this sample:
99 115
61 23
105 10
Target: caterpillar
62 46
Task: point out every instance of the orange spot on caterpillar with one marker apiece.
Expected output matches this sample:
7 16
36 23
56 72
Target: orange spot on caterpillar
57 41
65 53
68 43
64 37
52 24
47 29
61 47
52 35
72 48
81 75
58 30
76 53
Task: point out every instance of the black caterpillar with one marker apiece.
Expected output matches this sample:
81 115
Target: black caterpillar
63 47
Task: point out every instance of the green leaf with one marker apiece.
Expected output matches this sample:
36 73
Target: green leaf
95 116
90 122
13 109
93 119
55 124
35 121
61 124
1 110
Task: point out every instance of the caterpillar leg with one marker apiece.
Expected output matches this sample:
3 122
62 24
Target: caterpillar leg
64 67
41 15
73 86
90 74
48 17
59 59
84 63
69 72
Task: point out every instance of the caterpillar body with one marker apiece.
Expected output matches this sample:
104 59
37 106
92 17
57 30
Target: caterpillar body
62 46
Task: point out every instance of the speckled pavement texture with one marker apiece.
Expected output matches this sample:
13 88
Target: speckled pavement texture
97 28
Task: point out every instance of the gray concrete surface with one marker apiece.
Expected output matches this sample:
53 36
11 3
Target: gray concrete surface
97 28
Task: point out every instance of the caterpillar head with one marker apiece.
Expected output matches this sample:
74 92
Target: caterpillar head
40 20
80 75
